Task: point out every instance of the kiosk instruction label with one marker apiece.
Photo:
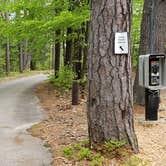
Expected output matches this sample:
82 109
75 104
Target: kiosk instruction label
121 43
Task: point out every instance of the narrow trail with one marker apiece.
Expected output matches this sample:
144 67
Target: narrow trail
19 110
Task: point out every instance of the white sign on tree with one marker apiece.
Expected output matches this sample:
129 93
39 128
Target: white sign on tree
121 43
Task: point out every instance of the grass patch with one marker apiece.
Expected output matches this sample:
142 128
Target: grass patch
115 149
97 157
81 152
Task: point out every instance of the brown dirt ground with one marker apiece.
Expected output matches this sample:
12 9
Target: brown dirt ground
67 124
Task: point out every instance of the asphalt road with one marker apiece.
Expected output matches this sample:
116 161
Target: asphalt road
19 110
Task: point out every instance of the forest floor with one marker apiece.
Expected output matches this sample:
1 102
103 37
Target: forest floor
67 124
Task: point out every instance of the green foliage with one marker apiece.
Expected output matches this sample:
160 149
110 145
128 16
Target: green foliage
136 28
114 149
37 21
84 153
68 151
114 144
81 152
64 78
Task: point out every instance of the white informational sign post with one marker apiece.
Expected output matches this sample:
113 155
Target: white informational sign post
121 43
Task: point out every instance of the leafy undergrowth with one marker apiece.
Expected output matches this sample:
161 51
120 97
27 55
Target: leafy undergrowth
101 155
64 78
80 151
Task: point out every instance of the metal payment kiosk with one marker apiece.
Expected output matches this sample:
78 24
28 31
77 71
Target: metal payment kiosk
152 76
152 69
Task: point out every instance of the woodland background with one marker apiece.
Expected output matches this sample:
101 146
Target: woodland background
46 35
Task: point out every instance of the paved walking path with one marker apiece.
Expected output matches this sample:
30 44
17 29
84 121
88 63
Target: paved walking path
19 110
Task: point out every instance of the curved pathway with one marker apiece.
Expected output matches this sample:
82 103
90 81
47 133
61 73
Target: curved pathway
19 110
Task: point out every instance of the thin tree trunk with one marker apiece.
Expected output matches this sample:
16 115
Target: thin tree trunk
77 56
33 65
21 58
7 57
110 102
69 43
57 54
26 57
64 51
85 50
7 49
53 56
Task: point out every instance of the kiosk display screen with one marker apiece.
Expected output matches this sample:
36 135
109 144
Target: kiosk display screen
154 72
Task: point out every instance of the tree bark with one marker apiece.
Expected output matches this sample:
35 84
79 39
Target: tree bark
53 56
160 27
7 49
21 68
110 102
26 56
7 58
158 37
69 43
57 54
85 50
33 65
77 56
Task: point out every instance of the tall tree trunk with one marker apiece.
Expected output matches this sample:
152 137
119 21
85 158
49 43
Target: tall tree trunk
110 105
21 65
85 50
157 30
26 56
69 43
57 54
33 65
53 56
77 67
160 26
7 49
77 56
63 51
7 57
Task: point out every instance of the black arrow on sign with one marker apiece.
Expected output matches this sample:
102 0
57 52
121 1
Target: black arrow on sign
121 48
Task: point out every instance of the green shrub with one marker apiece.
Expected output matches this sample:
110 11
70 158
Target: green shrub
84 153
68 151
64 78
114 149
81 152
114 144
